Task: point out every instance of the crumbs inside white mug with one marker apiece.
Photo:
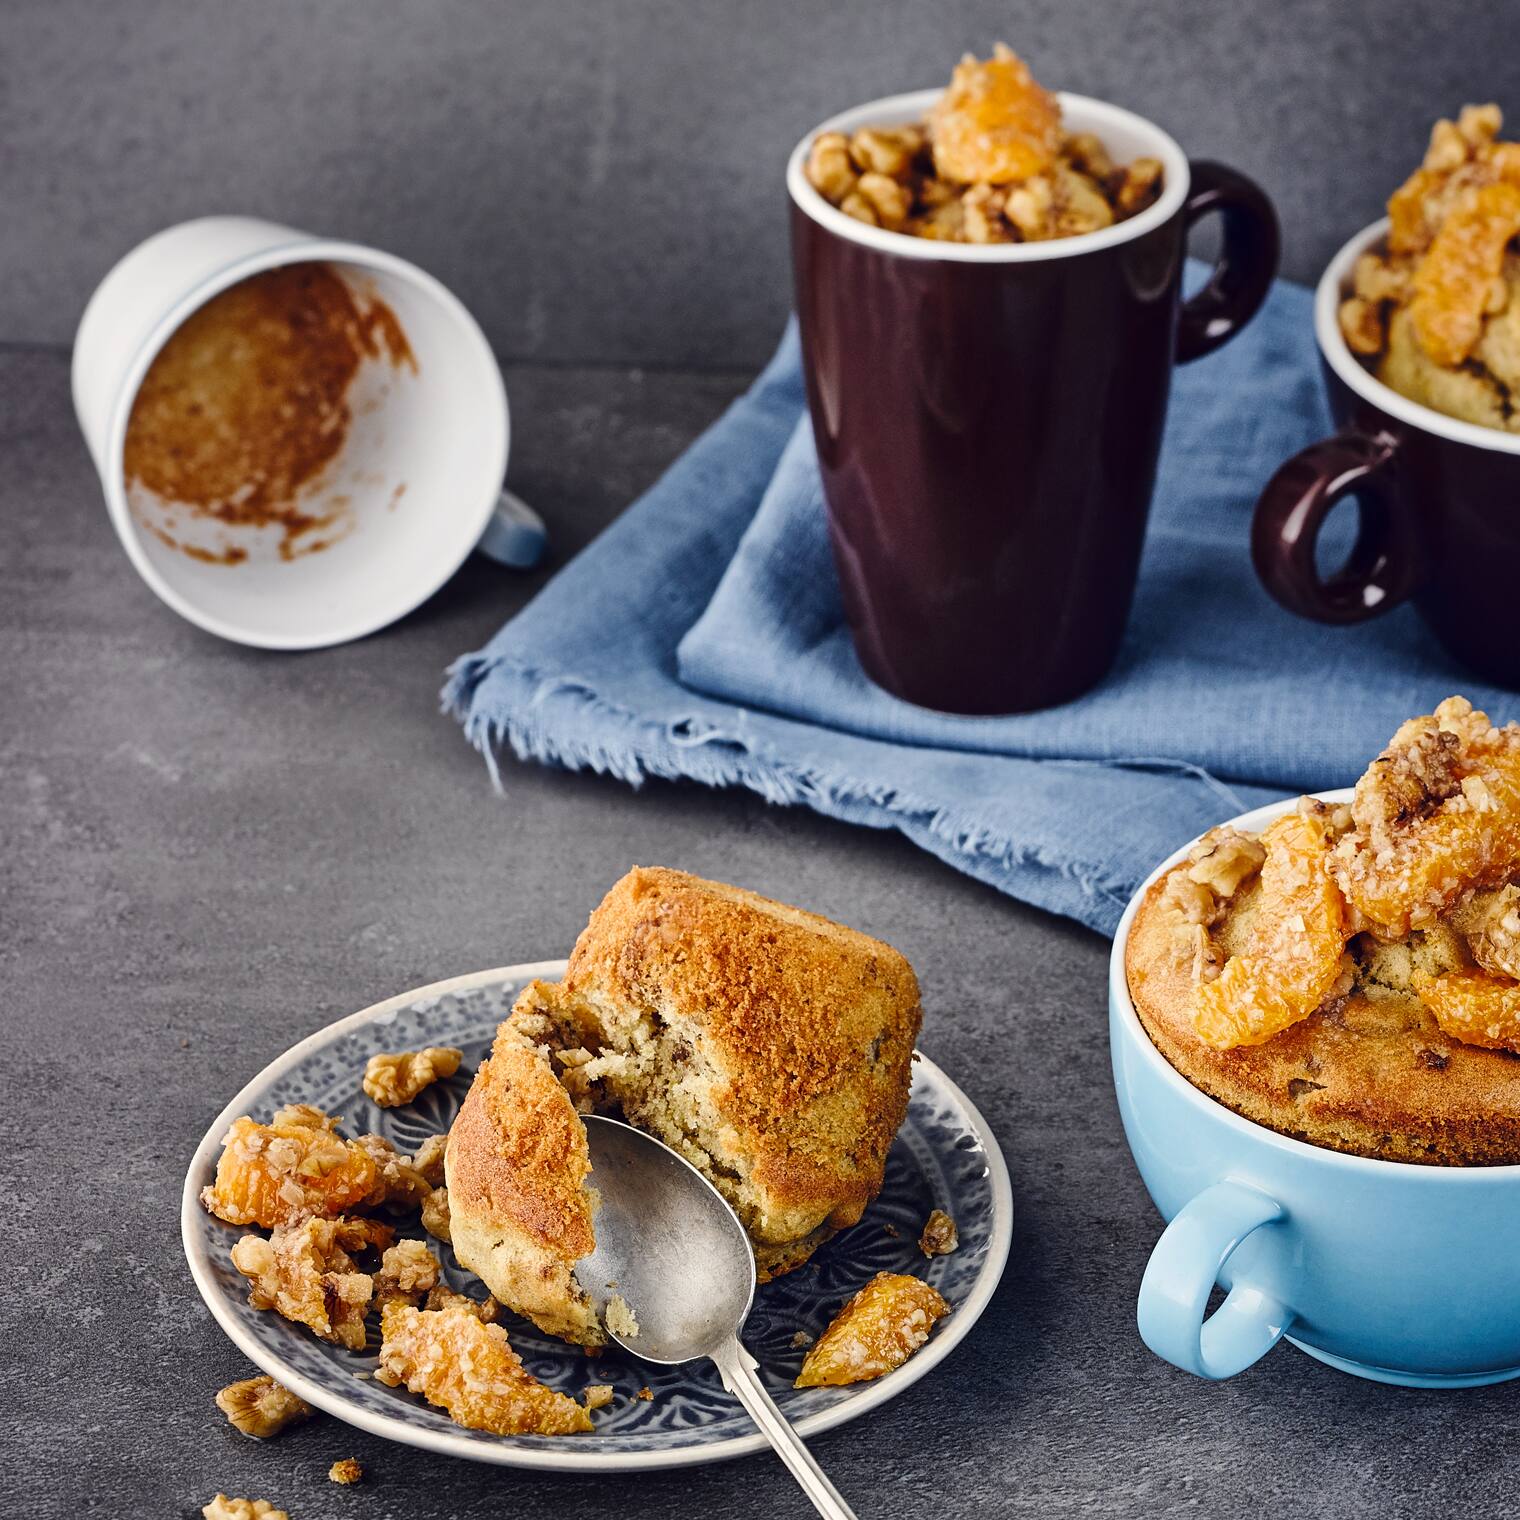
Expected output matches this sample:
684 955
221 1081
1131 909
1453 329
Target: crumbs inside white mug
258 433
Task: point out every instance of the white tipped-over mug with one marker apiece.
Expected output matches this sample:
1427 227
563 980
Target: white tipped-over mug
419 475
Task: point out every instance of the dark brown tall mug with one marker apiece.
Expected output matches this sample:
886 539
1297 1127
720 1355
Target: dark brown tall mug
988 417
1439 506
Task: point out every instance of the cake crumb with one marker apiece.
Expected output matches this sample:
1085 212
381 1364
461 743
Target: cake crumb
940 1236
224 1508
646 1393
801 1341
597 1395
621 1320
345 1471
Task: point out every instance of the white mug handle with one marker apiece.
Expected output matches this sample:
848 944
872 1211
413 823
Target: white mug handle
515 536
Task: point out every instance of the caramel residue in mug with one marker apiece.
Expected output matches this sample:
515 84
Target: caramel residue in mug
248 402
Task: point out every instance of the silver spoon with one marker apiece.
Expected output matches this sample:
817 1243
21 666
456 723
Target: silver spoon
671 1248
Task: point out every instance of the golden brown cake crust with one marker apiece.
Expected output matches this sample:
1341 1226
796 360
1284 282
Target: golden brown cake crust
789 1004
1371 1076
518 1148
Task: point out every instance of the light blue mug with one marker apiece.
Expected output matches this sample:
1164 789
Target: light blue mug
1405 1274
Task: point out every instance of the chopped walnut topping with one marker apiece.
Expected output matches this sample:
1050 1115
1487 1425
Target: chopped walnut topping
435 1214
399 1185
1425 837
393 1078
991 165
801 1340
597 1395
444 1297
345 1471
646 1393
940 1236
830 169
429 1159
1191 901
272 1174
259 1406
304 1273
223 1508
1491 923
307 1114
878 1330
470 1369
1224 860
408 1273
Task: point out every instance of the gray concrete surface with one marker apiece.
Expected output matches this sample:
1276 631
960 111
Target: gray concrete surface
485 139
206 852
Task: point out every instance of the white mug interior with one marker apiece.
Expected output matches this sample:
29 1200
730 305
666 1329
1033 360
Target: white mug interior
1125 135
408 495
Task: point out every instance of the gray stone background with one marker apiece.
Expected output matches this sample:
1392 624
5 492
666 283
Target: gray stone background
205 852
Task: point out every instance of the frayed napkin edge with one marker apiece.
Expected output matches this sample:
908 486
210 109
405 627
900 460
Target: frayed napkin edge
691 750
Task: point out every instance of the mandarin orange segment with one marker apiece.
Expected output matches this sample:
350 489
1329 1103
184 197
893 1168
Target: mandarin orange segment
1473 1007
469 1368
1457 279
878 1330
1434 826
272 1174
994 125
1293 956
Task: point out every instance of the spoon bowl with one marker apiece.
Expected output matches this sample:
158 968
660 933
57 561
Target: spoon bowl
668 1244
670 1247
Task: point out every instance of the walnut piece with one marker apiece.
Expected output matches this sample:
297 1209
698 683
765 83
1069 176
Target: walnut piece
470 1369
304 1272
878 1330
1491 924
346 1470
393 1078
399 1184
259 1406
940 1236
435 1214
273 1174
408 1273
1437 818
428 1161
223 1508
444 1297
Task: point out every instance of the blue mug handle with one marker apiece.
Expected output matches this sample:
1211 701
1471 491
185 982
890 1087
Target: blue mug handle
1182 1272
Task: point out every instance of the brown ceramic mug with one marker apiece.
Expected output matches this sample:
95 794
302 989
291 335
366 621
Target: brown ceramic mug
1437 498
988 417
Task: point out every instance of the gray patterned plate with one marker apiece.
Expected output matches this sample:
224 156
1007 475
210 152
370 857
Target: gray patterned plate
944 1156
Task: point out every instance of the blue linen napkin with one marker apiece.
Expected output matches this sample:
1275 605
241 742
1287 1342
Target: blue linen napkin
701 636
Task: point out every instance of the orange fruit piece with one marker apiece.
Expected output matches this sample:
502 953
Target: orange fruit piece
878 1330
1293 955
1473 1007
273 1174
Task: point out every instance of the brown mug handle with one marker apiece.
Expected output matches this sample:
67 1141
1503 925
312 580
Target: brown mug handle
1247 262
1384 567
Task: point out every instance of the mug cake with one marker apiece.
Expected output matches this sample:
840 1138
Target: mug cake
1351 975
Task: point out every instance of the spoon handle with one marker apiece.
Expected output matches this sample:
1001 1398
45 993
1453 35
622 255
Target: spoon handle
737 1369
